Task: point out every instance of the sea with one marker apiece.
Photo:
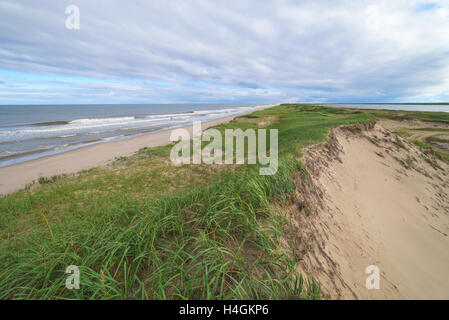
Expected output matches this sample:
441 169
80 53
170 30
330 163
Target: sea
32 131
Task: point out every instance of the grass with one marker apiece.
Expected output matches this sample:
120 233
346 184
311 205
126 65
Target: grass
143 228
429 149
437 139
430 129
401 115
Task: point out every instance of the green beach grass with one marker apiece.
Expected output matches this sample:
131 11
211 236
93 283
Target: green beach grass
143 228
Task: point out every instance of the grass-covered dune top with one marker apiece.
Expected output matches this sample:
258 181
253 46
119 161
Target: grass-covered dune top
142 228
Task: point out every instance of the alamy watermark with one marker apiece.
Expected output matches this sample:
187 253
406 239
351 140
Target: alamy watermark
372 18
72 22
212 153
73 280
373 280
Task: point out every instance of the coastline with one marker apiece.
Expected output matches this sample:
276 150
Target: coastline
359 197
17 176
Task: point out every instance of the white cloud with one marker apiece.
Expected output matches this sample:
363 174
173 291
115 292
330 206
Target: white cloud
231 50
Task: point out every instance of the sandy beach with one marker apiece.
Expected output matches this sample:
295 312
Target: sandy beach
17 176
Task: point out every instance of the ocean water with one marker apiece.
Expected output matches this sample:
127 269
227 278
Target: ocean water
30 132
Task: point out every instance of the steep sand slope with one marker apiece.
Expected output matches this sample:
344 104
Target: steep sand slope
380 203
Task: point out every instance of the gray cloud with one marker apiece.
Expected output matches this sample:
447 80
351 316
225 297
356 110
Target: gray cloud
201 51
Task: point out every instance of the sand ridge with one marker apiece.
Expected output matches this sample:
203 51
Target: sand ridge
380 202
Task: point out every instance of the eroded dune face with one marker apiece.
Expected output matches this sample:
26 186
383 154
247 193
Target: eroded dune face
381 202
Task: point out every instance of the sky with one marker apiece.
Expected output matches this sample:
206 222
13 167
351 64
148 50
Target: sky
187 51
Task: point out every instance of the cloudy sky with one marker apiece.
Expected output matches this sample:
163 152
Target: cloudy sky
224 51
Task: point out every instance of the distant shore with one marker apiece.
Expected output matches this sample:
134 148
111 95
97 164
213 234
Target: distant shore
17 176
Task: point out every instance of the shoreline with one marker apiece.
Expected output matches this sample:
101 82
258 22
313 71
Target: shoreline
16 176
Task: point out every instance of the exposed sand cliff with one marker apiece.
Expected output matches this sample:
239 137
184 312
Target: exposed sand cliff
371 198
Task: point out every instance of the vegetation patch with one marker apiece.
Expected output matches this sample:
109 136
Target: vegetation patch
428 149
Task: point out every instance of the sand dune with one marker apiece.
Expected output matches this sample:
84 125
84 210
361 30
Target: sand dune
381 203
